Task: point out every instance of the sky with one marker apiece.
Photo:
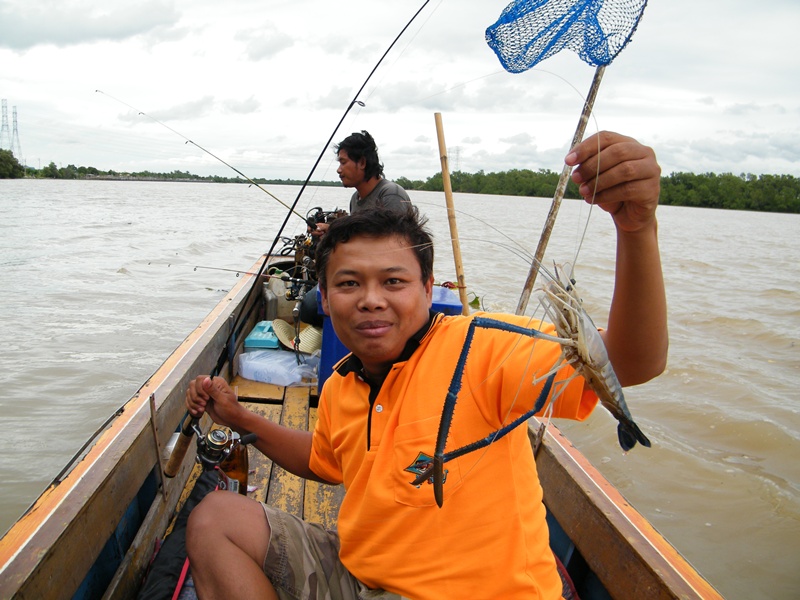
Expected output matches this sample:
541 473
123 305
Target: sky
712 86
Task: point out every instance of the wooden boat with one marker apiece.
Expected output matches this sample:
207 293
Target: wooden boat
93 531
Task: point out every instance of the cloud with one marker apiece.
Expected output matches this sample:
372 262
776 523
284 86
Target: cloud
27 25
734 152
336 98
246 82
242 107
264 42
754 108
742 109
420 94
484 94
520 139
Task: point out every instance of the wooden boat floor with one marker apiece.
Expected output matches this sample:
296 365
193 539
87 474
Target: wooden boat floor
267 482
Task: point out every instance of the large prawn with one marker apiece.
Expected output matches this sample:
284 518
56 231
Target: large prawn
584 350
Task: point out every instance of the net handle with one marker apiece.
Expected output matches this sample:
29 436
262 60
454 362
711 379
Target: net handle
559 194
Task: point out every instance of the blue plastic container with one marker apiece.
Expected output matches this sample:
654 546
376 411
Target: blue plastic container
444 301
262 337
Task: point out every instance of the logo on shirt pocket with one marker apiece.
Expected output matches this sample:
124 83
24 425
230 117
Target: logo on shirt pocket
421 464
413 453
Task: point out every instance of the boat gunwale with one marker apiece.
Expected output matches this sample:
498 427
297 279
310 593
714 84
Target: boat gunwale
597 519
36 547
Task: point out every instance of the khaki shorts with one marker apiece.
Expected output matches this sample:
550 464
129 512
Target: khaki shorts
303 563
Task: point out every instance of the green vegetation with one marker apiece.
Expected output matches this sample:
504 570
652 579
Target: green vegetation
52 171
516 182
9 166
769 193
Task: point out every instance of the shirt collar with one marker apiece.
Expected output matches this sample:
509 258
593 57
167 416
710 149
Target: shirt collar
353 364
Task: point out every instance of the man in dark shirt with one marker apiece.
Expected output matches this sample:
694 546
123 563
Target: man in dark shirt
361 168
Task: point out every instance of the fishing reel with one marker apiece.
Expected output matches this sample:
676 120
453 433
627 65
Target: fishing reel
213 448
305 251
217 445
296 288
227 455
302 277
323 216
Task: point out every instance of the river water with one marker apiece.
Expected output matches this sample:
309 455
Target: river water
102 280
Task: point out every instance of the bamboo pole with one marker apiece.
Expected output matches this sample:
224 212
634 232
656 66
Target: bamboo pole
559 195
451 215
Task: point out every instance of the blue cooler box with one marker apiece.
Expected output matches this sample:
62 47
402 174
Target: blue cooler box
262 337
444 301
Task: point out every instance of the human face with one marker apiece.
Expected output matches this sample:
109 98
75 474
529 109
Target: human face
376 298
350 172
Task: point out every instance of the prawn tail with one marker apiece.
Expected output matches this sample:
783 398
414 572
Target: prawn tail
629 433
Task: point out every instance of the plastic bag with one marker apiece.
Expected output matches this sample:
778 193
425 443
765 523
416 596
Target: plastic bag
279 367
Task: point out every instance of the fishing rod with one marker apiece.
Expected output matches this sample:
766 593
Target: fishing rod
353 102
188 425
236 272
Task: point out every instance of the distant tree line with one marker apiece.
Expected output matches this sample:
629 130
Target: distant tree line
516 182
769 193
10 168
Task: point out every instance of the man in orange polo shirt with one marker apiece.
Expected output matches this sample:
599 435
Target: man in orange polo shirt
379 416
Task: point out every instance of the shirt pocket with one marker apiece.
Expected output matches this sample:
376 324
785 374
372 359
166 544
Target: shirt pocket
413 449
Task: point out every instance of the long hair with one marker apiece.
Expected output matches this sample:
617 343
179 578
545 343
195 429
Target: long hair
361 145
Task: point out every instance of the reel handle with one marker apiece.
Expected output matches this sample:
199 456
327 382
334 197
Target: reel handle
248 438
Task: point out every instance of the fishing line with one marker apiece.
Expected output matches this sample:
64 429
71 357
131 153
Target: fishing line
355 101
362 104
196 145
580 236
239 322
400 55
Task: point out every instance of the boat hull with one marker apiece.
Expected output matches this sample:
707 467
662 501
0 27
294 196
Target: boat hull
49 551
92 533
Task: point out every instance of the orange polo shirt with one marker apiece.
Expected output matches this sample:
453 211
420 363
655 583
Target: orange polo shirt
490 538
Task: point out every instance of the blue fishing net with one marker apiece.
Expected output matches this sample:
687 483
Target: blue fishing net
529 31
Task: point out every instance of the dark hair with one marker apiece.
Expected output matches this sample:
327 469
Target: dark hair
361 145
377 223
